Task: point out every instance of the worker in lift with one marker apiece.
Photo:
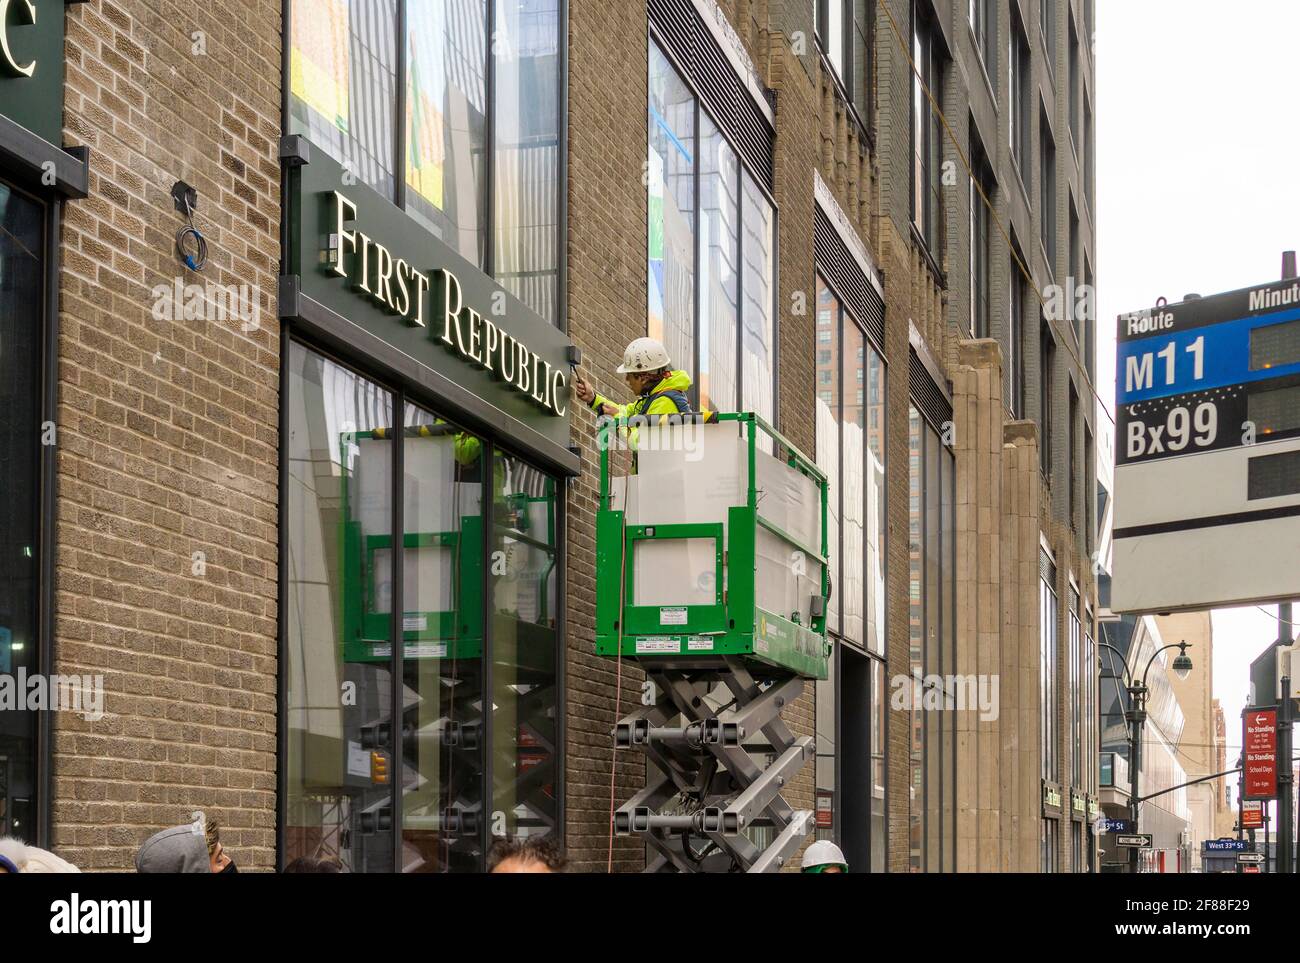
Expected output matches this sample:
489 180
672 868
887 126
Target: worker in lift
659 388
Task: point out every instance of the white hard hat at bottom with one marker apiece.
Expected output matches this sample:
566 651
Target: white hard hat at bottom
823 853
644 354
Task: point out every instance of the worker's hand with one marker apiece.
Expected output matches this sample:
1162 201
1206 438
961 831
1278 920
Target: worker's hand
585 392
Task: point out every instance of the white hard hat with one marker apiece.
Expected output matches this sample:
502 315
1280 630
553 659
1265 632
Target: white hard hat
644 354
823 853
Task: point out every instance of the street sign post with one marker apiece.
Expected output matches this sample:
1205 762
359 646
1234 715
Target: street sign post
1252 814
1135 840
1208 452
1259 741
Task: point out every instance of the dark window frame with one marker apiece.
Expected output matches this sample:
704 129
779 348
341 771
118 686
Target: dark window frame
858 70
927 215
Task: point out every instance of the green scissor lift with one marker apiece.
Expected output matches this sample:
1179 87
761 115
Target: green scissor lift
712 800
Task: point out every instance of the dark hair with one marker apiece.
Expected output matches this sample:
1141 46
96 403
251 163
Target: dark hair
530 849
309 864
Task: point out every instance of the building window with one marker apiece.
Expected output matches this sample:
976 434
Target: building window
1047 191
733 241
844 31
1071 442
1047 23
1016 335
1049 693
927 136
1087 151
22 326
932 625
1089 491
981 246
1047 363
1072 81
461 499
1077 743
1074 276
1050 861
1019 87
1091 743
1076 848
851 450
348 99
984 24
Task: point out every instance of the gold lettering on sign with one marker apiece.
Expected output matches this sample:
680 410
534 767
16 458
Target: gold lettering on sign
22 70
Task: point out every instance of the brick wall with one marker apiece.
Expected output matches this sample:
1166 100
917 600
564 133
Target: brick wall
167 438
607 309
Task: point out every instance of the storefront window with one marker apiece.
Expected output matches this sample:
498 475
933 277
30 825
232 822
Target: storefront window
346 98
22 295
478 609
721 331
338 640
442 666
524 580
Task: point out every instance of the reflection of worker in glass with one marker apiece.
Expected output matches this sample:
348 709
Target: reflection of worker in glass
824 856
660 389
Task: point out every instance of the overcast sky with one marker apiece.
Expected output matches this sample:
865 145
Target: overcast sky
1198 190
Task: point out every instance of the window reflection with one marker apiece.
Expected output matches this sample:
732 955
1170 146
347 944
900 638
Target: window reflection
524 586
22 293
343 75
445 121
442 628
338 639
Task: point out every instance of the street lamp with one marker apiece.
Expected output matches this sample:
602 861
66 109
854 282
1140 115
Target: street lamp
1136 716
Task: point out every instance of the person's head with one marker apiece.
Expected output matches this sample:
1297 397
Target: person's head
217 858
824 856
192 848
310 864
645 364
527 855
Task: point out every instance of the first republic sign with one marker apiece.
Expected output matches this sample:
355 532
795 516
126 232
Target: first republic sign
1207 476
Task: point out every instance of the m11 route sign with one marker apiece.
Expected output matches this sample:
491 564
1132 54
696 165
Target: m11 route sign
1207 461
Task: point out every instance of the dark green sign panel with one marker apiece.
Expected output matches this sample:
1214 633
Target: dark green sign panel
360 256
31 66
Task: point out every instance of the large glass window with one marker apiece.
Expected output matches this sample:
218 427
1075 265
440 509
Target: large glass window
850 405
844 31
1047 191
1019 87
347 98
721 331
981 246
1016 336
1049 690
526 132
343 75
478 596
927 136
1076 693
932 632
22 297
984 24
446 121
524 599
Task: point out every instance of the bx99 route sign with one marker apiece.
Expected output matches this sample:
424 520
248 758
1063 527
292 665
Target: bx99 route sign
1207 466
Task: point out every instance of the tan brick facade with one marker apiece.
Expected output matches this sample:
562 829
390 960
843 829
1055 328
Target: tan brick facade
168 438
167 432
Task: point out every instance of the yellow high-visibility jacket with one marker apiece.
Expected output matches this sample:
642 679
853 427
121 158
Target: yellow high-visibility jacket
663 399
